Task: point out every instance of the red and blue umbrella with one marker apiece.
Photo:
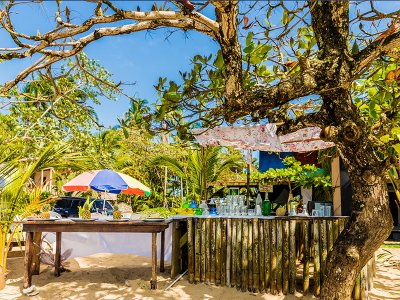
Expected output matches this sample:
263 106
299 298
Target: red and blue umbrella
106 181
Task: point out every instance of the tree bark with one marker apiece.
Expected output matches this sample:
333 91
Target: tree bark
368 227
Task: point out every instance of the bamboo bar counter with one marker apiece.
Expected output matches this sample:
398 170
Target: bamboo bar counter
260 254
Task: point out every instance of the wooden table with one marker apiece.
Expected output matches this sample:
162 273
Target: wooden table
34 231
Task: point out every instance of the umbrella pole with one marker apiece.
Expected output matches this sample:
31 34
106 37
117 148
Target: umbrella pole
248 185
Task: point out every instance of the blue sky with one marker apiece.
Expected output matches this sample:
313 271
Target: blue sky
139 58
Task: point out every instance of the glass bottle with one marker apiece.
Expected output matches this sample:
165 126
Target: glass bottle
266 207
193 204
185 204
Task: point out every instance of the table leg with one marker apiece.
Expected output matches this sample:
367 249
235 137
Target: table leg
37 237
57 258
162 251
28 260
153 281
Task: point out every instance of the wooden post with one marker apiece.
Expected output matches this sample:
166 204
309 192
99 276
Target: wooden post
28 260
245 261
234 251
279 255
261 246
357 288
153 281
229 240
239 254
337 201
223 251
292 256
208 251
306 258
190 250
37 237
323 247
285 257
256 256
213 249
203 251
176 250
273 256
330 234
335 229
218 252
317 266
250 247
363 284
162 250
57 263
197 249
267 246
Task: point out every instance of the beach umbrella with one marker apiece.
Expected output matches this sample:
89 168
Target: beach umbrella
106 181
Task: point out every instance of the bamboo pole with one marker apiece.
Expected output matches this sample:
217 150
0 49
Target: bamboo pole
262 260
234 252
213 249
317 266
203 251
285 257
228 251
218 252
306 258
223 251
357 288
250 248
363 284
245 261
190 250
323 248
335 229
292 256
267 246
273 257
197 249
239 252
208 251
279 236
330 234
256 256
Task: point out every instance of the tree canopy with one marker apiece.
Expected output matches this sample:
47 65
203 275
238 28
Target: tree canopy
331 64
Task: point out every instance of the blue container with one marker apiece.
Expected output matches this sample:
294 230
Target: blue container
213 211
193 204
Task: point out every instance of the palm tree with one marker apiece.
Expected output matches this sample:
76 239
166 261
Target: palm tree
16 202
199 167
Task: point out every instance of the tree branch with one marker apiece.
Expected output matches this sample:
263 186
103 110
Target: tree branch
377 48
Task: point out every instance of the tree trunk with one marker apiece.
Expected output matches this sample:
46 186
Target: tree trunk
370 224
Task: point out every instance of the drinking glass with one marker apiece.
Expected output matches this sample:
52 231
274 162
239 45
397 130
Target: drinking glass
314 213
251 212
322 211
328 211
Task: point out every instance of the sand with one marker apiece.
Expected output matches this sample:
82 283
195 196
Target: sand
112 276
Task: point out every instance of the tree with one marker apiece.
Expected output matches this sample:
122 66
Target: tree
311 56
199 167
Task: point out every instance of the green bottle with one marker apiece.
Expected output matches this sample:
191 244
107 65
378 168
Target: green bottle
198 212
185 204
266 206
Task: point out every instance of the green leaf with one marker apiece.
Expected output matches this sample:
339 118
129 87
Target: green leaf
385 138
355 49
396 147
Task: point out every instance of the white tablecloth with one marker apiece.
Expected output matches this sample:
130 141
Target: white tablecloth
88 243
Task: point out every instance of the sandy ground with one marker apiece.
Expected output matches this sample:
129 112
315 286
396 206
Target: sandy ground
111 276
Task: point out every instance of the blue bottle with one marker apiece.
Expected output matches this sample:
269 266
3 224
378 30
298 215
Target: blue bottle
193 204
